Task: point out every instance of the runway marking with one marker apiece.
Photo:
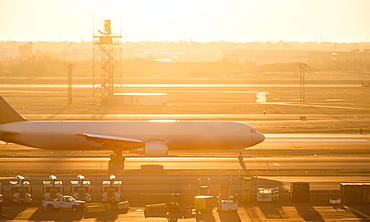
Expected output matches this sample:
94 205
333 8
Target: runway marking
276 164
26 214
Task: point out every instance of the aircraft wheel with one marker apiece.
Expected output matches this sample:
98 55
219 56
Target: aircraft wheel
240 157
116 165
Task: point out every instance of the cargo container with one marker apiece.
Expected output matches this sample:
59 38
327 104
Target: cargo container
300 192
366 192
203 203
351 192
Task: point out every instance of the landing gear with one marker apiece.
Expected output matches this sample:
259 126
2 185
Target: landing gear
117 161
240 157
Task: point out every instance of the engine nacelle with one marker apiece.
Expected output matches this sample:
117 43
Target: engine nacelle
156 148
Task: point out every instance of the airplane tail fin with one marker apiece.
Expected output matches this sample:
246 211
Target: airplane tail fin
8 114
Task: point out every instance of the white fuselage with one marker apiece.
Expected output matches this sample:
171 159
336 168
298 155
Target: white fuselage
179 135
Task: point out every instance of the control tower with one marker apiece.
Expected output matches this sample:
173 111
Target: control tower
107 64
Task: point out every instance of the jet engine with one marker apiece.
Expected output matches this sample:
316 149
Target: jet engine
156 148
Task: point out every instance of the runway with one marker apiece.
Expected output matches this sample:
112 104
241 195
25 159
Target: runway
189 163
277 152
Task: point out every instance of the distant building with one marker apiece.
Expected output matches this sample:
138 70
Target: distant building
262 57
9 52
26 50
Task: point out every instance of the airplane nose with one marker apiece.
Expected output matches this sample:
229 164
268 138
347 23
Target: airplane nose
261 137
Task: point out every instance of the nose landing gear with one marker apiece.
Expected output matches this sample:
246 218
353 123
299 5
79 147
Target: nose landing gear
240 157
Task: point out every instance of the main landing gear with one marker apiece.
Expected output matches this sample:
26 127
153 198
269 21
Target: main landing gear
117 161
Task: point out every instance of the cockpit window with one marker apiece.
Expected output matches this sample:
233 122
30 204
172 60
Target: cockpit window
253 130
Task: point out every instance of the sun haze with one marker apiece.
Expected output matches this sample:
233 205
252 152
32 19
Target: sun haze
205 20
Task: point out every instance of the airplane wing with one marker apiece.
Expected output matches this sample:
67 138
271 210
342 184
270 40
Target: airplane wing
113 140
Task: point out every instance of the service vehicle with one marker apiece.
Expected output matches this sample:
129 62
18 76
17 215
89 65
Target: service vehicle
81 189
52 188
111 190
64 202
20 190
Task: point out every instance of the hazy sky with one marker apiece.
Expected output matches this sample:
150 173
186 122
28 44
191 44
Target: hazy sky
197 20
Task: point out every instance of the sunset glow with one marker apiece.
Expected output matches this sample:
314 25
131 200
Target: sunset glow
206 20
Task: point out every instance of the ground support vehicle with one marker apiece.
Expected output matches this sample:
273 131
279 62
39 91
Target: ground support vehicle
111 190
52 189
81 189
21 190
64 202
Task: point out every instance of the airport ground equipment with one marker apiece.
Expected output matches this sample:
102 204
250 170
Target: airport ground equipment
155 210
355 193
226 202
227 205
267 194
300 192
64 202
52 189
172 211
21 190
204 187
111 190
81 189
203 204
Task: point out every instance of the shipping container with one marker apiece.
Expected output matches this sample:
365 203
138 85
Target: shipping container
351 192
300 192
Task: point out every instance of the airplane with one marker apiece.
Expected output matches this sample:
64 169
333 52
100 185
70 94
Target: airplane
151 138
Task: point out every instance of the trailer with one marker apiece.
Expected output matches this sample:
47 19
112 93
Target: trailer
172 211
52 189
21 190
111 190
81 189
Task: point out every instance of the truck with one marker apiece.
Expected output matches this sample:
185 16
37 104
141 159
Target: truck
81 189
111 190
52 188
21 190
64 202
